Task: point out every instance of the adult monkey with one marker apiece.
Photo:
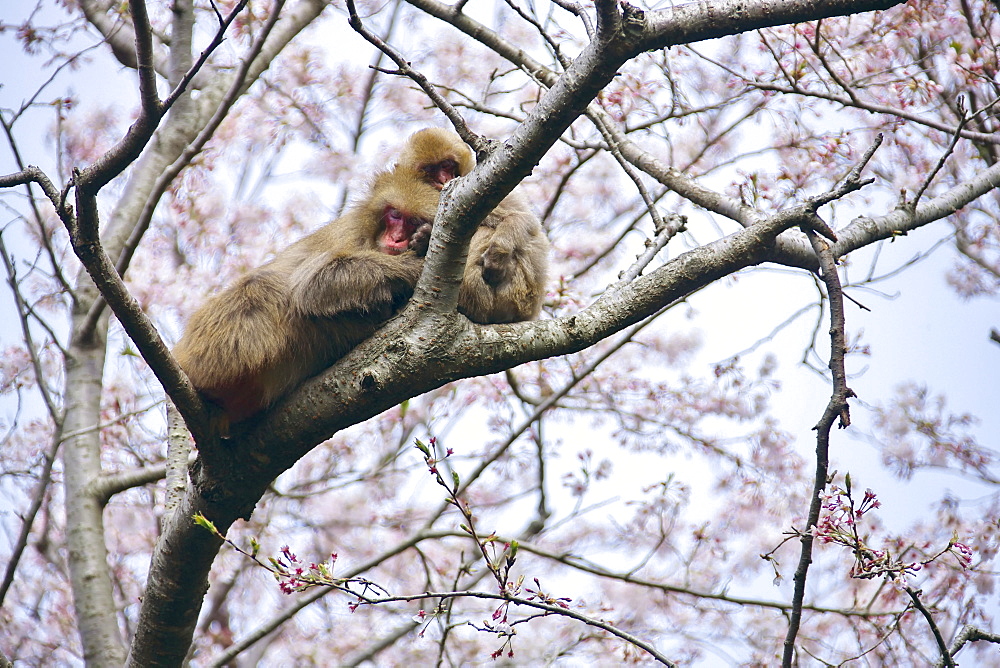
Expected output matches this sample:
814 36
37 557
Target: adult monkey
294 316
505 275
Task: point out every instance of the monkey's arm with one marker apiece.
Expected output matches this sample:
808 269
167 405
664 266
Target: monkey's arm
505 275
365 283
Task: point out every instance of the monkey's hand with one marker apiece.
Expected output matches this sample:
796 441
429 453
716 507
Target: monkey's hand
421 239
498 265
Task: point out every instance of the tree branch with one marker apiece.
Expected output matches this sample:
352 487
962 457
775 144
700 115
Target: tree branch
946 660
709 19
406 70
969 634
836 408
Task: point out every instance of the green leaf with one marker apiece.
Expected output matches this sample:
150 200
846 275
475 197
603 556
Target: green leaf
205 523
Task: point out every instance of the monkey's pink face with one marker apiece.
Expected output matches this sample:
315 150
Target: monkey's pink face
440 173
398 230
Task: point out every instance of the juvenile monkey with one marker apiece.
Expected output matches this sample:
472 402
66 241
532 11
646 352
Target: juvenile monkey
296 315
505 275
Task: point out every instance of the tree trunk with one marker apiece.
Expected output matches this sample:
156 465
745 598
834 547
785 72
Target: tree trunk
97 618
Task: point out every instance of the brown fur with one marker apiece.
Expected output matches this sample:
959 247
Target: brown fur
506 272
439 154
306 308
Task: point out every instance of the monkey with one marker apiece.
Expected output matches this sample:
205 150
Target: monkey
299 313
438 154
294 316
504 279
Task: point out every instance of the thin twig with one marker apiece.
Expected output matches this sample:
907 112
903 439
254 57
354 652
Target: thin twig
22 314
633 174
477 143
947 152
946 659
580 12
665 231
836 408
37 498
43 234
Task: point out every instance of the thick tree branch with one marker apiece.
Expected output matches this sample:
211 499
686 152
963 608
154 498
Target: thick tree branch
708 19
969 634
178 575
416 352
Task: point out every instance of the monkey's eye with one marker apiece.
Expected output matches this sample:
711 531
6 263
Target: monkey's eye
395 215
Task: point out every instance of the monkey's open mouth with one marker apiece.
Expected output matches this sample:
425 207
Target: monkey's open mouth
396 249
397 235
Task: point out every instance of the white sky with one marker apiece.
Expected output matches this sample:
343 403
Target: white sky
925 333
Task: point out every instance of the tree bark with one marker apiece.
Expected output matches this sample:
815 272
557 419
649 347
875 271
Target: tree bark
96 613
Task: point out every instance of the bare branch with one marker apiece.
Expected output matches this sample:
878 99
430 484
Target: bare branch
665 231
716 18
185 80
969 634
115 160
22 313
37 498
43 233
109 485
947 152
477 142
979 137
538 605
837 407
946 660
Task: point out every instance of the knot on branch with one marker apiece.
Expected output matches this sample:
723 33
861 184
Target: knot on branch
819 226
